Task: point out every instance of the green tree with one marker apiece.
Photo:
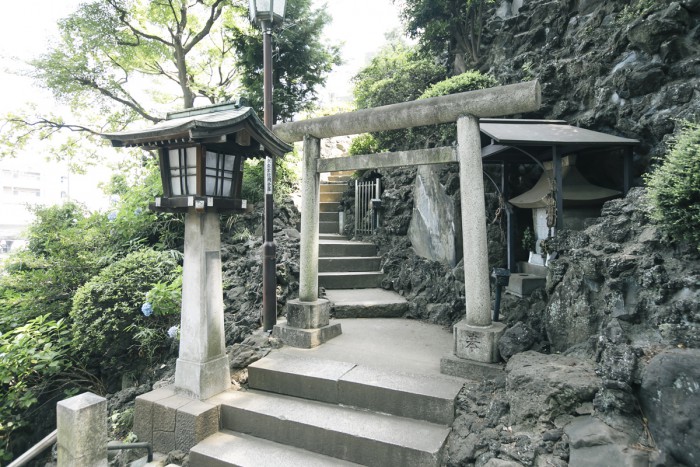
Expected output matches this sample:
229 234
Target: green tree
121 61
674 187
447 28
399 73
301 60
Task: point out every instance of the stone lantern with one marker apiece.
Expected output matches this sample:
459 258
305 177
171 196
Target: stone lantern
201 153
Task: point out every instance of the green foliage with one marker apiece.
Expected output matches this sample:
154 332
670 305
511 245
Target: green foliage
447 28
301 60
467 81
446 134
364 144
107 312
35 366
131 224
65 248
674 188
399 73
286 178
166 297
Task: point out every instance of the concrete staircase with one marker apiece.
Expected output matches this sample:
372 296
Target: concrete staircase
344 266
303 411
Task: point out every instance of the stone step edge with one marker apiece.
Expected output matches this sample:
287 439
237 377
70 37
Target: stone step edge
332 429
429 398
229 448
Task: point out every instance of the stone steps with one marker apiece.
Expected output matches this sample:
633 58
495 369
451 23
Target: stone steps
335 248
331 197
349 264
302 408
420 397
227 449
328 227
367 303
350 280
328 207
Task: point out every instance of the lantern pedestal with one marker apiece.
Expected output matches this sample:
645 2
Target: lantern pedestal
202 369
308 324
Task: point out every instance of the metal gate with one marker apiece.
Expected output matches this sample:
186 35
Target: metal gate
367 204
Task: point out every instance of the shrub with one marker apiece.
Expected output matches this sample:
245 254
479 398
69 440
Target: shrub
114 324
674 187
364 144
286 178
446 134
35 367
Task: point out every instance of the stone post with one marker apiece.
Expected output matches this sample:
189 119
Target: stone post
82 431
310 199
476 338
202 369
308 317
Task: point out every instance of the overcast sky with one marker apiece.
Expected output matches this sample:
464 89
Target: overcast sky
25 28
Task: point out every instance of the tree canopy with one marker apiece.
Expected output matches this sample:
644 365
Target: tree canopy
120 61
450 29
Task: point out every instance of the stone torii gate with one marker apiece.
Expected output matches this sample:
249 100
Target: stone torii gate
476 337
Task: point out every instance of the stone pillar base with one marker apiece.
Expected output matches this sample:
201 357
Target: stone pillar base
308 315
81 430
173 422
202 380
479 343
305 338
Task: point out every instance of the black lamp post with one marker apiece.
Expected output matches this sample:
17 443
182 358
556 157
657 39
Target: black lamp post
265 13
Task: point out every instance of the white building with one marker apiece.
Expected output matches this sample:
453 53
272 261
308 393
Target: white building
31 180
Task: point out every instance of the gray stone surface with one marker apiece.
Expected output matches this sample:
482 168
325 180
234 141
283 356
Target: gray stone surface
494 102
542 387
517 338
350 280
82 431
194 422
202 368
596 444
305 338
474 245
434 225
349 263
420 397
670 398
367 303
523 284
298 376
478 343
309 245
308 315
349 434
389 159
226 449
470 369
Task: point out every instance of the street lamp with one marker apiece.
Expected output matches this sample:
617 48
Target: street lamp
264 13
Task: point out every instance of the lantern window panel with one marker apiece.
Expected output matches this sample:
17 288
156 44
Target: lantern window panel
220 177
278 9
183 171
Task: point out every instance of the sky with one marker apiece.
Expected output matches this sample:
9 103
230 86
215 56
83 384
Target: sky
360 25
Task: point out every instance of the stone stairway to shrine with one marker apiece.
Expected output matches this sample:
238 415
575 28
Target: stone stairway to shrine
350 271
337 407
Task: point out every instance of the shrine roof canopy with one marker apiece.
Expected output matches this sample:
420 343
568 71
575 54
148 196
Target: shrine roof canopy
217 126
509 140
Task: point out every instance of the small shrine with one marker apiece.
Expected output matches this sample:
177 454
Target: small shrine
581 169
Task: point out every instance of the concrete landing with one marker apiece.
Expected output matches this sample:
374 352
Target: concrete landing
397 345
367 303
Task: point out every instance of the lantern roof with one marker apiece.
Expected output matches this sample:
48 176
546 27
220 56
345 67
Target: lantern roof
222 126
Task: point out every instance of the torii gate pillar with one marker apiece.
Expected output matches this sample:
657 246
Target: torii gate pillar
475 337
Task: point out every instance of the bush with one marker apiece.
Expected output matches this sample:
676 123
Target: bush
286 178
674 188
114 324
446 134
35 367
364 144
65 245
468 81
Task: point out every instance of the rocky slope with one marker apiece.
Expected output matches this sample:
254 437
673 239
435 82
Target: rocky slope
630 68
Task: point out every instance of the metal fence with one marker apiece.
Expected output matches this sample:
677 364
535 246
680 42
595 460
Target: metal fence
367 204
